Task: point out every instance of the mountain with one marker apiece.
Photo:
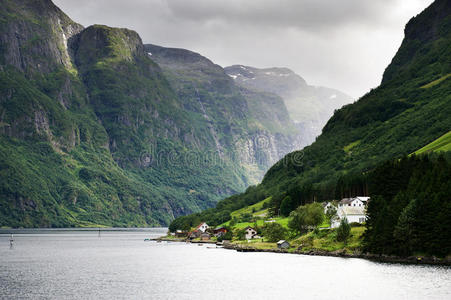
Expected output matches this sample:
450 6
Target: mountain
410 109
309 106
252 128
97 128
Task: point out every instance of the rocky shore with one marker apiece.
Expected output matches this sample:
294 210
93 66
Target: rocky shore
181 240
423 260
339 253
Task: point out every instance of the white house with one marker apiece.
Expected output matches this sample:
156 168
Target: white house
353 214
351 202
250 233
203 227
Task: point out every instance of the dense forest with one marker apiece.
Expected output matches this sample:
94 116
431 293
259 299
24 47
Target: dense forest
408 212
410 207
408 111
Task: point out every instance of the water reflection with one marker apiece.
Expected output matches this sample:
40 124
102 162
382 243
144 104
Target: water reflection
80 265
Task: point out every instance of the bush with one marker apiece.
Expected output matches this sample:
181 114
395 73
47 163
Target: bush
246 217
240 234
306 217
226 237
343 231
274 232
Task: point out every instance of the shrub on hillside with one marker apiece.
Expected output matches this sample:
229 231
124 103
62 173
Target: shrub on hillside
343 231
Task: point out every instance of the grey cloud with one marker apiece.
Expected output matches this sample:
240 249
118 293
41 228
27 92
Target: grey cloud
304 14
344 44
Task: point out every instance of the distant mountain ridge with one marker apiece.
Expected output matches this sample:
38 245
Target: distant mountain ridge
309 106
263 130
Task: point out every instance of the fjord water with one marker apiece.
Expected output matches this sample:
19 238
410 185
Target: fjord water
63 264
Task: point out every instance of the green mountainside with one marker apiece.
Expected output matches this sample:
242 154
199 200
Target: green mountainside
95 131
410 109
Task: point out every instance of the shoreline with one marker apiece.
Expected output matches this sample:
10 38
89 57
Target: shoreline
411 260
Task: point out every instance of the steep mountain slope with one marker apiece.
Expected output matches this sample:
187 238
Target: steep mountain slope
93 131
410 109
51 143
252 129
309 106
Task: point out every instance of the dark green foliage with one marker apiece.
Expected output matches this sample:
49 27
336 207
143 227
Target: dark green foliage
286 206
410 207
399 117
228 236
93 131
274 232
306 217
343 231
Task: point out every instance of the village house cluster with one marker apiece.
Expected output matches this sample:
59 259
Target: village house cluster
202 231
351 209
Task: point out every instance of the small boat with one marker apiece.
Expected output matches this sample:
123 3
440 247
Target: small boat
147 240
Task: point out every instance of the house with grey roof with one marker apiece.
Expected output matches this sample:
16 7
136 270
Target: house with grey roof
353 214
282 244
351 202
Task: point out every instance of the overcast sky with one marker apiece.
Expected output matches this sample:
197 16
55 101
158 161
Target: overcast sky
344 44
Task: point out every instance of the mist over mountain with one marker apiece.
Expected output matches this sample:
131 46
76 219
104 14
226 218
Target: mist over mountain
309 106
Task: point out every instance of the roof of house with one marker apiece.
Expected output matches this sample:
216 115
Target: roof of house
353 210
364 199
249 227
201 225
281 242
194 232
346 200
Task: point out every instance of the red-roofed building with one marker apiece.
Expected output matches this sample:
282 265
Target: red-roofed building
202 227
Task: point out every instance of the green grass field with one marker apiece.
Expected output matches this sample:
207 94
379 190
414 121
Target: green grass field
326 240
255 210
261 222
435 82
443 143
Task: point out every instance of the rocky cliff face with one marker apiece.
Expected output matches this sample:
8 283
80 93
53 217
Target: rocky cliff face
310 106
93 131
419 33
35 36
252 128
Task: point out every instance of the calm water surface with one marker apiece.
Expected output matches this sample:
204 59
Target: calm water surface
119 264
